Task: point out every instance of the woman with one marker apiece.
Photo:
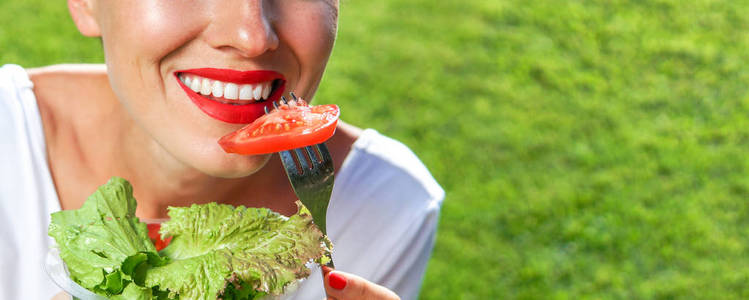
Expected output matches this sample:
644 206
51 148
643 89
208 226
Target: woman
67 129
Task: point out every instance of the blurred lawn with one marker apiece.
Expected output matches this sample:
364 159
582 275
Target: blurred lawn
590 149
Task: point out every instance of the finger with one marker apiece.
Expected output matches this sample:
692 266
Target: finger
346 286
61 296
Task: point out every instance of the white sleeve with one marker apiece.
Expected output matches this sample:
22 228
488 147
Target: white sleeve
383 215
27 192
407 271
382 218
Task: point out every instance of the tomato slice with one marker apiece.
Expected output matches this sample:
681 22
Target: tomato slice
289 126
153 234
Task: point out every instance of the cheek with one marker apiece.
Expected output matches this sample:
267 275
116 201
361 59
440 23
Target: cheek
138 35
148 30
310 31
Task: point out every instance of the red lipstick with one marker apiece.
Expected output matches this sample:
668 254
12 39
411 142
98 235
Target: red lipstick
232 113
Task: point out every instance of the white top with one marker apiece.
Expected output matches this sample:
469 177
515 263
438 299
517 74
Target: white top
382 216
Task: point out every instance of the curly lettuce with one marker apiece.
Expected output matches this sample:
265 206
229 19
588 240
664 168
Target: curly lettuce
216 251
100 241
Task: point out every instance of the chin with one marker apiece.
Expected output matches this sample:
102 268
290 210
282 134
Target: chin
231 166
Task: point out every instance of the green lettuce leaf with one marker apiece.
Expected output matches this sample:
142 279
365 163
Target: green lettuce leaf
219 250
98 238
135 292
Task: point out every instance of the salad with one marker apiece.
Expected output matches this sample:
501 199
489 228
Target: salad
216 251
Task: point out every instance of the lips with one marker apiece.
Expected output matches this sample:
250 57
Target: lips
239 110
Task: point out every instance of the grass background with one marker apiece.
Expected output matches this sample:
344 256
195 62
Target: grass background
589 149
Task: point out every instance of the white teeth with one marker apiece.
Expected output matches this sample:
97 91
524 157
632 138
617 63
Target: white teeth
227 90
206 88
218 89
195 85
257 91
266 90
245 92
231 91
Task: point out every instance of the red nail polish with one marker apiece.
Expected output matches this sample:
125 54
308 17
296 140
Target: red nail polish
337 281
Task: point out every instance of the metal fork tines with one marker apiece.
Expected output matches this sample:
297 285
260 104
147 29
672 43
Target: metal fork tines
310 171
311 174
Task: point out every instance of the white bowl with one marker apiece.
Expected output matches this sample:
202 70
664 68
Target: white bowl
59 273
57 270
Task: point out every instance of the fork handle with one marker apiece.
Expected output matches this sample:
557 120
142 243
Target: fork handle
330 265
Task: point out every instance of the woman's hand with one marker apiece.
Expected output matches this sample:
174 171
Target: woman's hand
344 286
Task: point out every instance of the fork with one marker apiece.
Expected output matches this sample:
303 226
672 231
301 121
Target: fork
310 171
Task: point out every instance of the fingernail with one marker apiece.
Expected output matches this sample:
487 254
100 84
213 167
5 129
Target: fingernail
337 281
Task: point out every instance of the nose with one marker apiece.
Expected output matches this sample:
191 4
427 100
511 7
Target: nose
243 27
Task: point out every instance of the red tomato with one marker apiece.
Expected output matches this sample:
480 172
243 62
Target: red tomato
153 234
287 127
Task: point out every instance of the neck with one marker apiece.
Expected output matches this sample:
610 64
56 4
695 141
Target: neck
159 180
85 152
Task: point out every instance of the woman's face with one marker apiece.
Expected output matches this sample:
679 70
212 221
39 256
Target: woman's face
191 71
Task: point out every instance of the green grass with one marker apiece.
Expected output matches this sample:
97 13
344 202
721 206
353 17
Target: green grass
589 149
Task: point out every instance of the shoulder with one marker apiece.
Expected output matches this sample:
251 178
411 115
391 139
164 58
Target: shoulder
13 81
53 84
386 174
10 74
23 175
50 82
13 76
68 70
17 103
66 92
384 211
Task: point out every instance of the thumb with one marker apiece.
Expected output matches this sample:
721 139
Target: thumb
346 286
